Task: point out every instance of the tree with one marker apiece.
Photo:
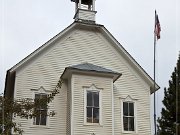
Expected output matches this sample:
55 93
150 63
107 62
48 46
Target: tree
23 108
167 121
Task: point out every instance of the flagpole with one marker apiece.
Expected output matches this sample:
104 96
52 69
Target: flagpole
155 77
177 99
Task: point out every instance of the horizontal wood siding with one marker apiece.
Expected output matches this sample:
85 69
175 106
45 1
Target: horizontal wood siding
82 46
79 127
87 15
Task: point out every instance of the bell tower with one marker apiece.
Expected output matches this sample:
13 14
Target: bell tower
84 10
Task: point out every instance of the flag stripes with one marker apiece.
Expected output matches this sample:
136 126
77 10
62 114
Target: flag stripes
157 27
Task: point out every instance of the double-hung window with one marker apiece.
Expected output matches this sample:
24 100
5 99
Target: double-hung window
128 116
40 109
92 107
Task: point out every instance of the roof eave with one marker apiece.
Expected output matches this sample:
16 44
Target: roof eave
41 48
152 89
52 40
105 32
127 56
69 70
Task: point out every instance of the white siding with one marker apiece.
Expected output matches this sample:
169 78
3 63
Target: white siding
79 127
69 101
82 46
85 15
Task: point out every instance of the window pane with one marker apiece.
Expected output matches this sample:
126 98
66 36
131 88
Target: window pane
125 122
131 109
37 96
89 98
125 108
43 117
96 115
43 112
89 114
131 124
37 119
43 101
96 99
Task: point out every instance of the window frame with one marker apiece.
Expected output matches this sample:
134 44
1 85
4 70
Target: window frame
128 99
41 90
92 89
40 109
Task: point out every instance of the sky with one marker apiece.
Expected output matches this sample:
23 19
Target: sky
25 25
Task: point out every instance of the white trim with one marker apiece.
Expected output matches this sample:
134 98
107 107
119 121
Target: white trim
134 101
15 90
72 105
100 110
130 59
93 88
42 48
85 102
42 90
112 107
136 117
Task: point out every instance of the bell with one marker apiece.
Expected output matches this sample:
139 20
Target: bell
85 2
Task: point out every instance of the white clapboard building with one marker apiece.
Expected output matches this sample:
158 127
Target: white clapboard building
104 92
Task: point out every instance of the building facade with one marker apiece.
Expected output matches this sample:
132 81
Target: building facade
104 92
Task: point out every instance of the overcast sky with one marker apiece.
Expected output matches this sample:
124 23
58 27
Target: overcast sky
27 24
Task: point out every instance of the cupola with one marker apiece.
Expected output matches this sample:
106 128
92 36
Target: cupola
84 10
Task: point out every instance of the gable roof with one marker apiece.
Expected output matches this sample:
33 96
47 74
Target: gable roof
67 30
91 68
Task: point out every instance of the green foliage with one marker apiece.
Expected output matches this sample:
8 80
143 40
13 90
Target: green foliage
167 121
23 108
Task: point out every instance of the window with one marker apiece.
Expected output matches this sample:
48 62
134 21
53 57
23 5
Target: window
40 110
92 107
128 116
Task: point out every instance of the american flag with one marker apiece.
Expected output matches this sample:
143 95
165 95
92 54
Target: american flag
157 27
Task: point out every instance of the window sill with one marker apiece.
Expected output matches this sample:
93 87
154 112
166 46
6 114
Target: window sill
130 132
40 126
93 124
